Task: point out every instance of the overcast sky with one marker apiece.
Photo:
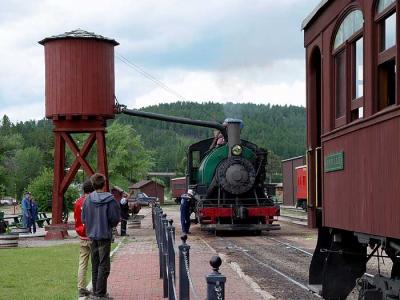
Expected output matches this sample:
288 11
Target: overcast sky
206 50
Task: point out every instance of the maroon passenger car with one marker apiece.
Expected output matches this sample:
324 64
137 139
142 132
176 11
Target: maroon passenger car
353 137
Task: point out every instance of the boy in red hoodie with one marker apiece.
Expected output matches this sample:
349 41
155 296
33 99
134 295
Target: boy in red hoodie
84 251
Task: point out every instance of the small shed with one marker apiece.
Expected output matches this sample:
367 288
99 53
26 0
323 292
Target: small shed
150 187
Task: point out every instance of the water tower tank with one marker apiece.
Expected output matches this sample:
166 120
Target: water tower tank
79 75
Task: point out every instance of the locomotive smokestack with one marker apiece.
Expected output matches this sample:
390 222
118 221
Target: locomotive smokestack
233 129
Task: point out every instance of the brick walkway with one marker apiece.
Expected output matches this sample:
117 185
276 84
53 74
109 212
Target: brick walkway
135 269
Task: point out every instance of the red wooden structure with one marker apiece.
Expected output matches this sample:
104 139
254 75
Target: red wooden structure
289 179
353 114
178 187
353 142
79 99
150 188
301 193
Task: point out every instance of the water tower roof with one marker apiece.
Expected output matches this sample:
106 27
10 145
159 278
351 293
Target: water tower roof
79 34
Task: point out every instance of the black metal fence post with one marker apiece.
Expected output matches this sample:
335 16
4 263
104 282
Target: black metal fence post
215 281
157 213
153 215
173 230
184 292
171 261
160 249
165 255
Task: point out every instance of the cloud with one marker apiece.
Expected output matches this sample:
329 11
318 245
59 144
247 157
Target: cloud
27 111
225 44
223 87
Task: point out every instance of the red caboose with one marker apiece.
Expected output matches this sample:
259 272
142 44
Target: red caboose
301 193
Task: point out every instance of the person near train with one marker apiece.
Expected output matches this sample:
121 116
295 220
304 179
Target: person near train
84 244
186 200
100 213
120 197
26 210
34 215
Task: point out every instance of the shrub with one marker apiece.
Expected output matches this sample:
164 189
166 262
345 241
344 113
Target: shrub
42 190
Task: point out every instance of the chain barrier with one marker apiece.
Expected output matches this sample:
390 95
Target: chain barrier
189 275
165 237
218 291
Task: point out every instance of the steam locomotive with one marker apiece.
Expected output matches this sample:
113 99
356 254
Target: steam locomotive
228 179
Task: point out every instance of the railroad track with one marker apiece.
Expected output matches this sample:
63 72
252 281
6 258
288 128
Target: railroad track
289 245
276 265
293 215
302 251
293 219
270 267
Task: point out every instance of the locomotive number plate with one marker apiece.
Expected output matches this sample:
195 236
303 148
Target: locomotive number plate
334 162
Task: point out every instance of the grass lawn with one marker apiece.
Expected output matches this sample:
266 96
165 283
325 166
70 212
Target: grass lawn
40 273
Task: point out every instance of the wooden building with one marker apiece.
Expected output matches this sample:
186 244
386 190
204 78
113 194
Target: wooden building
150 187
289 179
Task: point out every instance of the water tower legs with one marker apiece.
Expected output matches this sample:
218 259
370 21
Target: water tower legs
63 176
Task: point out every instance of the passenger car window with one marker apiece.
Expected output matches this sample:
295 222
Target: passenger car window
348 54
386 22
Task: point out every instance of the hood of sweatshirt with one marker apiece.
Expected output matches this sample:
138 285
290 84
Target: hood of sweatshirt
100 199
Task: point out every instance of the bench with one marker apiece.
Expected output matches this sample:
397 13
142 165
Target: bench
16 220
42 217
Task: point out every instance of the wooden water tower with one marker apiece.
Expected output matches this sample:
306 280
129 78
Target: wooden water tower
79 99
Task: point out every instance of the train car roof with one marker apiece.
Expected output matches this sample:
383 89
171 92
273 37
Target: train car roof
178 178
314 12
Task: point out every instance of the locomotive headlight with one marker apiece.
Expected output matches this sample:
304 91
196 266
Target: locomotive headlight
237 150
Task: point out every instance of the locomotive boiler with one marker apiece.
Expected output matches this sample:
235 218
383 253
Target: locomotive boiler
227 177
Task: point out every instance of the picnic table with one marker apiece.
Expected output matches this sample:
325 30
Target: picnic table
16 220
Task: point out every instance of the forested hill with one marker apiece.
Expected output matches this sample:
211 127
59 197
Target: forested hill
26 148
280 129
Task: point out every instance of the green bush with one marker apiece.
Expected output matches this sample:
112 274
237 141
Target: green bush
42 190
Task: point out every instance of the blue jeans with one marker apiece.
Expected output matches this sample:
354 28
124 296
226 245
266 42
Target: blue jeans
100 252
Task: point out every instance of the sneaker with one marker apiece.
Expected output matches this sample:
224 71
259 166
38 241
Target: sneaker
83 292
105 297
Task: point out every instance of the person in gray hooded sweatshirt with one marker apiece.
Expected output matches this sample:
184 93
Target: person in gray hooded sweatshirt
100 213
